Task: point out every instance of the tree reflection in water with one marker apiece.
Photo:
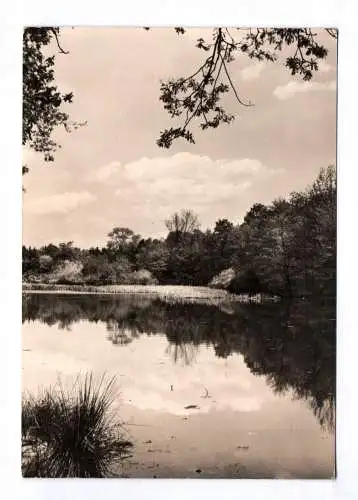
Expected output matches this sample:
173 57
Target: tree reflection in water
181 351
292 344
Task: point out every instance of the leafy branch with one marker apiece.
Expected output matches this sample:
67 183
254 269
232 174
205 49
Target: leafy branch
199 95
42 100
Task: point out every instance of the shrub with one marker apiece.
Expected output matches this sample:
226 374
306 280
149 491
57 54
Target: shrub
223 279
45 263
72 434
67 272
143 277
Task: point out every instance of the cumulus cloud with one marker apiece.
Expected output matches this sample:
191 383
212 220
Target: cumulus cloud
184 177
142 194
103 173
58 203
252 72
283 92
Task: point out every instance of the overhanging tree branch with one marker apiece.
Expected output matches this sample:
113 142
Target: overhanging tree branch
55 33
198 95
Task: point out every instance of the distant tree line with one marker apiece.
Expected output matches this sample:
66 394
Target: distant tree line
287 248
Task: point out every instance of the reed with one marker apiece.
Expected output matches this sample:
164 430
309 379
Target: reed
72 433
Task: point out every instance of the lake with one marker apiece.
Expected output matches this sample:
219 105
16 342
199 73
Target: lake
229 391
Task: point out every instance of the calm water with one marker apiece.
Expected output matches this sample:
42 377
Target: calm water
259 379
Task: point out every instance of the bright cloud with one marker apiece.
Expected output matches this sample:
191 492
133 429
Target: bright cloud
104 172
184 177
283 92
252 72
141 195
58 203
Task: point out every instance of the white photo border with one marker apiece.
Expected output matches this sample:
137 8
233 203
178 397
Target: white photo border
327 13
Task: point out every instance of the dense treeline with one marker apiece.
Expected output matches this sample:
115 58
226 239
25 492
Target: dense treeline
287 248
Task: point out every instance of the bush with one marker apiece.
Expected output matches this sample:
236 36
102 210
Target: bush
68 434
143 277
67 272
223 279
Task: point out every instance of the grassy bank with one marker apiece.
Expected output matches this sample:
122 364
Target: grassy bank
161 291
168 293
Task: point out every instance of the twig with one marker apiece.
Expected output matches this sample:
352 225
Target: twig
233 86
332 32
62 51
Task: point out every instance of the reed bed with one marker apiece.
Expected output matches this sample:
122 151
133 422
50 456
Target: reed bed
72 433
167 293
179 290
158 291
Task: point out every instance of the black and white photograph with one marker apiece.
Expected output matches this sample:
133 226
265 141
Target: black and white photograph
179 207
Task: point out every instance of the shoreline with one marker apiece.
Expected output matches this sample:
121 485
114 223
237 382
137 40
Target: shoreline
166 292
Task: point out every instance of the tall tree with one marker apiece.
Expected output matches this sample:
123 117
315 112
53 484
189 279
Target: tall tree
153 255
181 223
225 245
123 241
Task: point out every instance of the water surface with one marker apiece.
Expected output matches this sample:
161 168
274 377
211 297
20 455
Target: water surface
259 380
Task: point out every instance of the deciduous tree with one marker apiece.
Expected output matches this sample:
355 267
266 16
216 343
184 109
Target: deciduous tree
42 99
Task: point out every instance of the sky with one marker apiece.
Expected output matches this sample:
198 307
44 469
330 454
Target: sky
111 172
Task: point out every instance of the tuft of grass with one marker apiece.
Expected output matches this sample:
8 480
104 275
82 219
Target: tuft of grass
72 433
